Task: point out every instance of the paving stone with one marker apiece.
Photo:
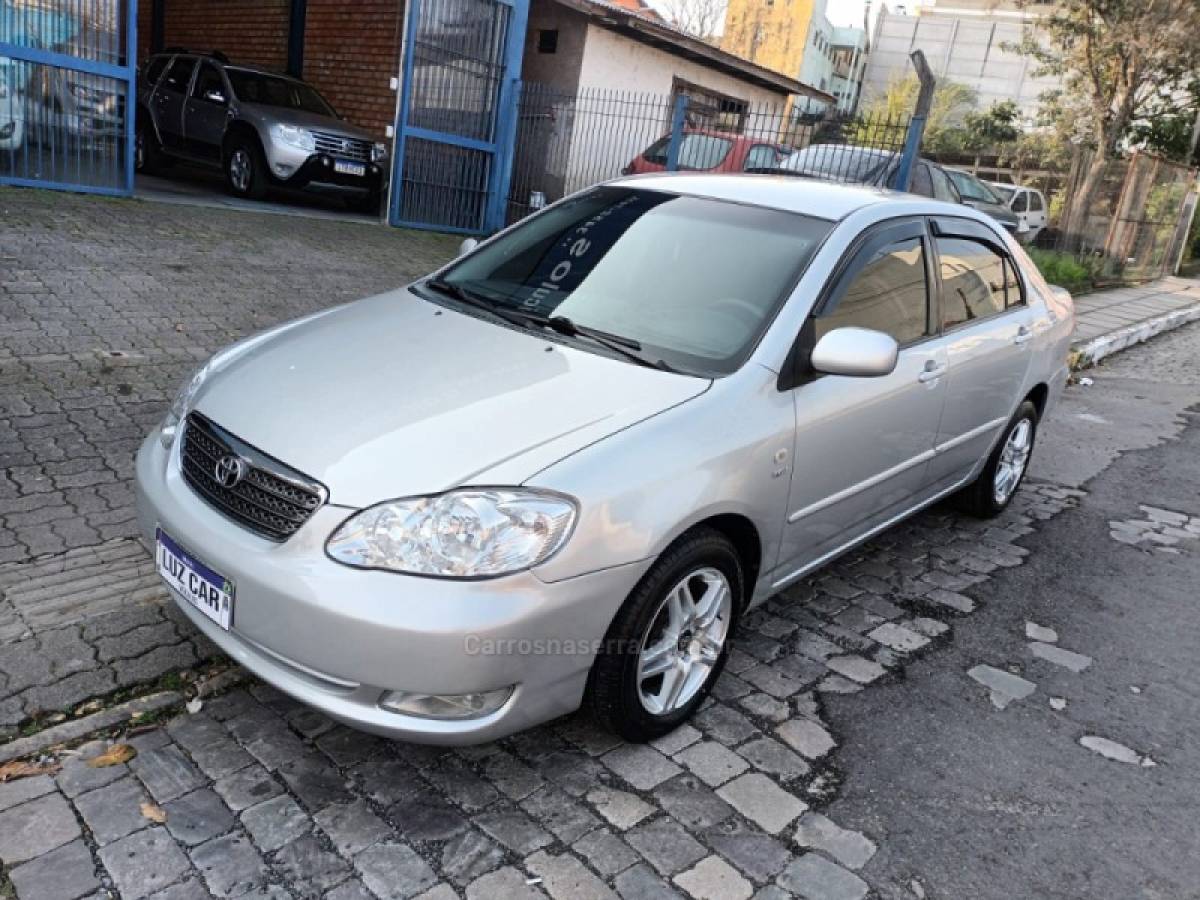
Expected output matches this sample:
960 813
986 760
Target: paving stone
622 809
560 813
352 827
563 876
348 747
714 879
314 782
850 848
389 781
196 817
758 855
725 725
142 863
310 867
1076 662
761 800
815 878
951 600
35 827
1110 749
427 817
806 737
929 627
78 777
856 668
1036 632
113 811
765 706
838 684
275 822
230 865
573 773
642 883
666 845
62 874
167 773
771 756
469 855
16 792
503 884
393 871
712 763
512 777
192 889
606 852
1004 686
247 787
640 765
514 829
896 636
692 802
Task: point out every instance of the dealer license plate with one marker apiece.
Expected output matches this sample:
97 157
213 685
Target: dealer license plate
349 168
199 585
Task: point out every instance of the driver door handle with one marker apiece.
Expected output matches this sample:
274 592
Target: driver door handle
932 371
1023 334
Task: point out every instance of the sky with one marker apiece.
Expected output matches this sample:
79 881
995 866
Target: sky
845 12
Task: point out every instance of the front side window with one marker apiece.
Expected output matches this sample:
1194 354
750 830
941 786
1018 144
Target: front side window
154 69
179 75
208 82
973 281
761 156
840 162
697 151
921 182
271 90
889 294
692 281
1021 204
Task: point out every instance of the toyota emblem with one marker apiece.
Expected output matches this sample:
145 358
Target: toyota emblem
229 471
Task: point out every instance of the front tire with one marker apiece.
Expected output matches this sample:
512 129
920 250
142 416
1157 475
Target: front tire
668 643
990 493
246 169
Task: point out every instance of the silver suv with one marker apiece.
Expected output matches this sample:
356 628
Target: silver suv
260 128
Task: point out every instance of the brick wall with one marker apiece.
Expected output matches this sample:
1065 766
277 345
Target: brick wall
248 31
351 51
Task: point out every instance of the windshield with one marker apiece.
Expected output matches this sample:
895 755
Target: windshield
838 161
694 281
1005 193
271 90
971 188
699 152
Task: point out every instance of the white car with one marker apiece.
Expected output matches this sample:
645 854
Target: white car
1030 206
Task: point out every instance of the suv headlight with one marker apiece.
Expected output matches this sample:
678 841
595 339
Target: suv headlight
182 404
294 136
467 533
379 151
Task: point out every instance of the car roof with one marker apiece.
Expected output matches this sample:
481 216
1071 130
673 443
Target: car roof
809 196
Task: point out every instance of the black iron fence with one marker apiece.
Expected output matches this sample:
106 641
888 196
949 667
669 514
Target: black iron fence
569 141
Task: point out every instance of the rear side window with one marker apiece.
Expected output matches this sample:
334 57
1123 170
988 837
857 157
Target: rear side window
1021 204
975 281
942 188
154 70
179 75
1035 202
761 156
890 294
921 182
696 151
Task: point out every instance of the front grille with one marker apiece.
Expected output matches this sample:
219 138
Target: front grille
344 147
270 499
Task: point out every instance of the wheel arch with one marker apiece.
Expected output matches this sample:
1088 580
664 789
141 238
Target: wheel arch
1039 395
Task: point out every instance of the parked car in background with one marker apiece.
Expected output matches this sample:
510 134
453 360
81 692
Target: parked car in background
258 127
1028 205
667 443
65 105
710 151
12 103
981 196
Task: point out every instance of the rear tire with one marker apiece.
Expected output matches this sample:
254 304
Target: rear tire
148 157
246 169
657 665
989 494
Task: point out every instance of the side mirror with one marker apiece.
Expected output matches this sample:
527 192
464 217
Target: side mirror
467 246
857 352
214 97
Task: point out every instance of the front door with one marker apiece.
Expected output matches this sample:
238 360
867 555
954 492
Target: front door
863 445
169 101
987 327
206 114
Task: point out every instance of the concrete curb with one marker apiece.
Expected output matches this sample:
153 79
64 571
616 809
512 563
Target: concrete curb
1087 353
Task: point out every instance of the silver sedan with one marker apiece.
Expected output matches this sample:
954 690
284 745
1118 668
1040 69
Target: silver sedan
557 471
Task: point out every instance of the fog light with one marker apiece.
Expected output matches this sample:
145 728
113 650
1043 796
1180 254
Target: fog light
283 170
445 706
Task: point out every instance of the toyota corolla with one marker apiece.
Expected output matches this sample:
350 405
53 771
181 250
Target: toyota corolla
557 471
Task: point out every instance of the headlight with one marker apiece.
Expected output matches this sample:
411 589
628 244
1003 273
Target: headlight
182 404
379 152
469 533
294 136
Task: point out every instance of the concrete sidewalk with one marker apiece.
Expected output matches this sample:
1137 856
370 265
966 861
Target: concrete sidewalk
1109 321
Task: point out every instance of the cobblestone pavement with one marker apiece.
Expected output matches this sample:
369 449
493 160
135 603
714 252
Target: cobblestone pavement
265 798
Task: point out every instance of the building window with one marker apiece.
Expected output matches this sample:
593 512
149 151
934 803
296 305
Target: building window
710 109
547 40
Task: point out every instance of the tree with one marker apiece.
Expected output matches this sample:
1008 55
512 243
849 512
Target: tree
700 18
1117 59
952 102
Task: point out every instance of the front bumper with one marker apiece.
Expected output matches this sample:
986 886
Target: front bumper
338 638
298 168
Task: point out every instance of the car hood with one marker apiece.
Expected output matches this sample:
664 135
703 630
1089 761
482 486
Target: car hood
306 119
395 396
1001 214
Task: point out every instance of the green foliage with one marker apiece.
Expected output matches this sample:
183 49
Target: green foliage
952 102
1076 275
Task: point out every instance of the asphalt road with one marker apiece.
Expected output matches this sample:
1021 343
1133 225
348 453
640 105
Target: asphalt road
970 801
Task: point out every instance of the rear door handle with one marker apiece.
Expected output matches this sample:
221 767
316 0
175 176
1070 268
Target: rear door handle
931 372
1023 334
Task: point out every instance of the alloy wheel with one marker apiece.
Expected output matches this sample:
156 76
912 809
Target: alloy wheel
1013 460
684 641
239 169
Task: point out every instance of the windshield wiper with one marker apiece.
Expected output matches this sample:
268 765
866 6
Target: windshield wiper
625 346
476 301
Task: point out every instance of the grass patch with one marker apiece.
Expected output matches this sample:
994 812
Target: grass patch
1076 275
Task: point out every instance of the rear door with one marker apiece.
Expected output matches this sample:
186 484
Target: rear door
863 444
206 114
987 329
169 102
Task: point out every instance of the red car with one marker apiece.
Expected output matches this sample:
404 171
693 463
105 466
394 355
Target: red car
710 151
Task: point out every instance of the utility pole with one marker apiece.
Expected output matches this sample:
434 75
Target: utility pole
916 125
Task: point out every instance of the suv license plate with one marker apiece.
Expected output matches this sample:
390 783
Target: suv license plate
349 168
199 585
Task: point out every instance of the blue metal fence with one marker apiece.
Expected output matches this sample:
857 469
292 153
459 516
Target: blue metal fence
67 84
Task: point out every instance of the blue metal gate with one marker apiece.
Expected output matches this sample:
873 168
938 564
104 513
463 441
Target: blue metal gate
67 83
458 113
